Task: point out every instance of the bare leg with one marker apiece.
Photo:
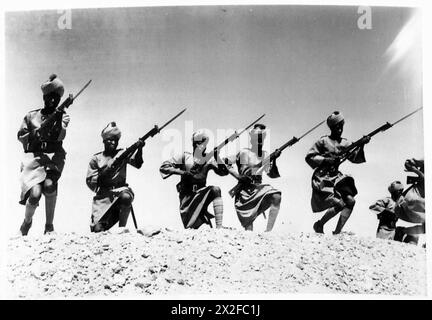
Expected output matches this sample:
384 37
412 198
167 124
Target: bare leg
50 191
274 211
330 213
124 203
50 204
345 214
123 216
30 208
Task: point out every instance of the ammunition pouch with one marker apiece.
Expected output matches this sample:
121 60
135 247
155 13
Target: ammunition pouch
44 146
183 187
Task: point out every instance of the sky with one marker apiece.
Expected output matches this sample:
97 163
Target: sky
227 65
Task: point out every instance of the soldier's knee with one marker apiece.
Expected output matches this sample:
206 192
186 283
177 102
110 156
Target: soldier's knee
35 195
125 199
216 191
276 199
349 202
339 205
49 186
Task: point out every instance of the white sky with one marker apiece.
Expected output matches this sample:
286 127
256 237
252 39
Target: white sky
227 67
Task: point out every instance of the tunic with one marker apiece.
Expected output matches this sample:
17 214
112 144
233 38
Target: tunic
108 193
46 159
385 209
194 195
328 186
411 205
248 201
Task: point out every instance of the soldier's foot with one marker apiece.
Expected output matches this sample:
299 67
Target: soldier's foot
49 228
121 230
148 232
318 227
25 227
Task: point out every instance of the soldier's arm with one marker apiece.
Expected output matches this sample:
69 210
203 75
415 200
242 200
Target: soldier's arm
174 165
358 156
93 175
24 132
379 206
136 160
61 126
316 154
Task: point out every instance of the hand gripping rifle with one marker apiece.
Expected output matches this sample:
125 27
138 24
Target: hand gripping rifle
121 160
266 161
49 121
359 143
216 150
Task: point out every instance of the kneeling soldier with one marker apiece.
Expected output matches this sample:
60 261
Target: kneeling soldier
255 197
385 209
194 195
113 200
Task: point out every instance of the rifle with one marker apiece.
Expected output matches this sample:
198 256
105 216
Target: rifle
266 161
121 160
49 121
346 154
216 150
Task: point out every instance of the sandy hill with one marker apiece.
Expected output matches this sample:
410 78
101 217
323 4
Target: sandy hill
209 261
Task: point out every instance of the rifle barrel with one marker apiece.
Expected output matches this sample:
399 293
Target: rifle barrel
172 119
408 115
83 88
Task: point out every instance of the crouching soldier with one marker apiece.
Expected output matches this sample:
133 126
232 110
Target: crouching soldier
253 197
113 200
410 206
385 209
332 190
44 157
194 194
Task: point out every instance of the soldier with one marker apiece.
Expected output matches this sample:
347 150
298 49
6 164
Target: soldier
410 206
194 194
331 189
44 157
254 197
385 209
113 200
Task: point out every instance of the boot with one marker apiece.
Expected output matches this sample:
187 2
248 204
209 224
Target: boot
25 227
49 228
318 227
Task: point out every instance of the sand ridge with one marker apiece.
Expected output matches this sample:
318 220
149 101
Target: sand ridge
210 261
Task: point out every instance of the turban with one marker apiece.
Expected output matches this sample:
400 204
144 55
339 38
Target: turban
201 135
334 119
395 186
258 129
111 131
54 84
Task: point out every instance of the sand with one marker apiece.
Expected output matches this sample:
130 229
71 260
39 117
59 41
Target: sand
209 261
